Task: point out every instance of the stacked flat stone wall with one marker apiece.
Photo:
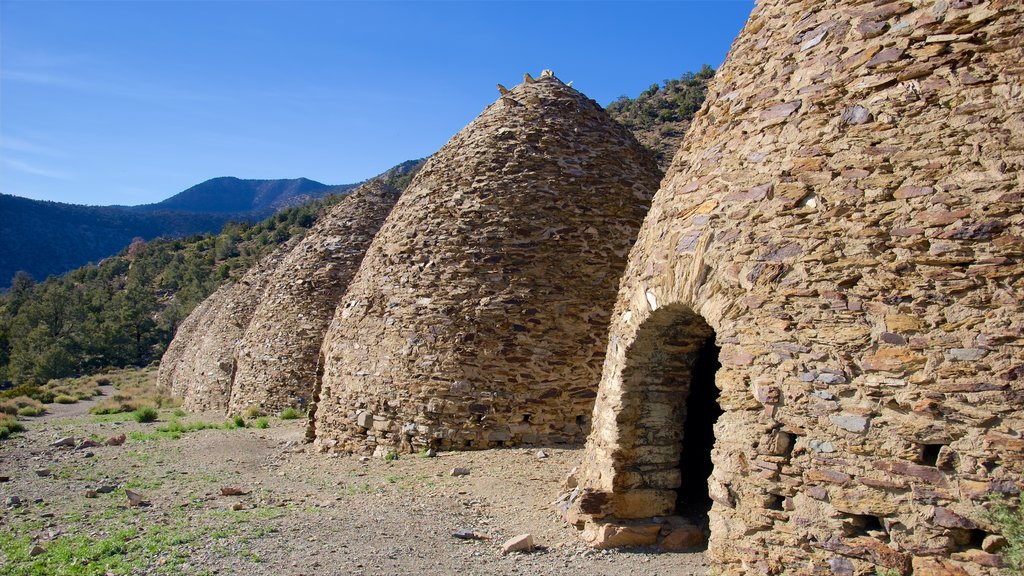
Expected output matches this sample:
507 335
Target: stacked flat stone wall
277 357
845 217
207 363
478 317
196 322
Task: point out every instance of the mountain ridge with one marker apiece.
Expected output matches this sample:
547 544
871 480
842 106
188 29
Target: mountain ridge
45 238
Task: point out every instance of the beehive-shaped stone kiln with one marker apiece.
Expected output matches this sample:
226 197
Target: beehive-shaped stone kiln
206 364
195 323
277 356
843 228
478 317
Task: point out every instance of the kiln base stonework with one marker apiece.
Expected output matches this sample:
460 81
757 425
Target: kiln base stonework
845 219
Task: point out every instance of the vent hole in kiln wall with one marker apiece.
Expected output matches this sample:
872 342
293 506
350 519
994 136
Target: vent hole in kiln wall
700 414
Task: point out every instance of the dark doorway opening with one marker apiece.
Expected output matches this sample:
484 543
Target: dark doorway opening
700 413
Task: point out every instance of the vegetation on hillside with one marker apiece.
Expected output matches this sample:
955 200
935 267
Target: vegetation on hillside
125 310
660 115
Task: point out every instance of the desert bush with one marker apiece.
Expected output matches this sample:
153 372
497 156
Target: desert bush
261 422
23 405
64 399
29 390
9 425
290 414
1008 516
145 414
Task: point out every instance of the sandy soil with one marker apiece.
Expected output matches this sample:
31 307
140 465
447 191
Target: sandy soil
300 513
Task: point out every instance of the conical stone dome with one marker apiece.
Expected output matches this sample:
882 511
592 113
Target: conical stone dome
194 324
478 316
277 356
845 220
206 365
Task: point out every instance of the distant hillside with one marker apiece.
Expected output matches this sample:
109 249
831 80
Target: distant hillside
125 310
660 115
46 238
251 197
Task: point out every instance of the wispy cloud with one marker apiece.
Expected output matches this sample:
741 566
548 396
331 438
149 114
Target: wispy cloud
124 88
33 169
13 144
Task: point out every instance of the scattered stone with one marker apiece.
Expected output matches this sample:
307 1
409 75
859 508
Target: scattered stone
616 536
683 537
106 489
36 550
541 454
232 491
850 422
430 453
87 443
116 440
993 543
91 494
67 441
12 502
457 471
464 534
5 479
364 458
855 115
134 498
571 479
42 472
238 506
521 543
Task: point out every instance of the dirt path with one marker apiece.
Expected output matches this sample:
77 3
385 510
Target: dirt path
300 513
78 409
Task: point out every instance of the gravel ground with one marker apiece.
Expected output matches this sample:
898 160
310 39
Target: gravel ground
299 513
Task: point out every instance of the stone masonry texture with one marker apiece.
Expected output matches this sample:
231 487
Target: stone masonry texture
197 321
207 362
277 356
478 317
845 218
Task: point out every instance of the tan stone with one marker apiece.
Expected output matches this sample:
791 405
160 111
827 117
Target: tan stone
479 315
933 566
278 353
622 536
860 269
684 537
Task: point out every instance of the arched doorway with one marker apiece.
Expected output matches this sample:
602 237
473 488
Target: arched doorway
669 410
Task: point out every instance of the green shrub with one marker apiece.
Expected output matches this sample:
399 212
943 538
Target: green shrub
145 414
9 425
261 422
65 399
1008 516
253 412
239 421
290 414
391 456
178 413
31 411
22 405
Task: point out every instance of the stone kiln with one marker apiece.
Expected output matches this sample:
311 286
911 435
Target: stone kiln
277 356
845 221
197 322
205 365
478 317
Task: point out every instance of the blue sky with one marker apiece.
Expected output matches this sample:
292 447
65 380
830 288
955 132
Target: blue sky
131 102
